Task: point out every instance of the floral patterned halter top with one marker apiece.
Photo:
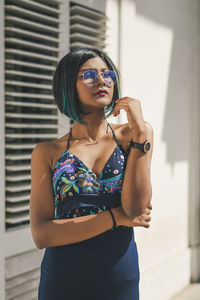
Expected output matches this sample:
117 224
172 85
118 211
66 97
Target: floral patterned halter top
79 191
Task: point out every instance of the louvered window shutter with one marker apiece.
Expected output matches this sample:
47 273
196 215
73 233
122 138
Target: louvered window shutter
31 54
87 27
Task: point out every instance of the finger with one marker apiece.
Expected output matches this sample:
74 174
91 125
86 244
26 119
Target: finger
147 225
150 205
121 99
119 106
126 98
148 219
122 103
147 211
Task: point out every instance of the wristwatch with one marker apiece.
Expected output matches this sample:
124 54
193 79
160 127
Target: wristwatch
144 147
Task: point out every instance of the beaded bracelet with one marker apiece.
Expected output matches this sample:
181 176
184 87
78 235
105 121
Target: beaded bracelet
114 222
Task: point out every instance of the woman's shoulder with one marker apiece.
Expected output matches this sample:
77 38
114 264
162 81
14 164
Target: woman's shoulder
122 133
125 132
48 150
120 128
51 145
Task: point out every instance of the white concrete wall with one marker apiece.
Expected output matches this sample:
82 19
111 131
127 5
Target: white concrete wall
159 64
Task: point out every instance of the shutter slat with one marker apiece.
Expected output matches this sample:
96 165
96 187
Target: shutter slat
18 157
31 126
18 198
20 146
85 38
27 74
24 277
28 95
25 33
31 116
29 84
38 105
31 24
87 30
51 2
29 44
87 22
88 13
20 188
14 168
22 12
19 208
18 178
31 135
31 65
79 44
31 4
31 54
17 218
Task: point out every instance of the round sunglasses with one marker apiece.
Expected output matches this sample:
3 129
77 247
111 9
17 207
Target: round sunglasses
90 77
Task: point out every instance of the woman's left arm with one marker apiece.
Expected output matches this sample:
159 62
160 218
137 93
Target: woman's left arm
137 190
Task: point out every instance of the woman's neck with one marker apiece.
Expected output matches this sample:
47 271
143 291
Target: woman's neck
91 132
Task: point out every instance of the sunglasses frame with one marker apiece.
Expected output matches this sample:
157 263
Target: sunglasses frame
109 84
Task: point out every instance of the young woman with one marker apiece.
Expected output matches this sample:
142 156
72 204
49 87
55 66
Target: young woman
91 186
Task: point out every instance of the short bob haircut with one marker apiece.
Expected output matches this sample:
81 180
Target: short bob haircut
65 77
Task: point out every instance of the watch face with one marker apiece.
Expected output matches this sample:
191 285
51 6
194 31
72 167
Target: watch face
147 146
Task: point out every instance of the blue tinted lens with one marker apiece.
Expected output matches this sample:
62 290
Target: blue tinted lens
110 76
90 77
90 74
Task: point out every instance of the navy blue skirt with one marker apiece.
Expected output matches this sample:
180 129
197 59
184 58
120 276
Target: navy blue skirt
104 267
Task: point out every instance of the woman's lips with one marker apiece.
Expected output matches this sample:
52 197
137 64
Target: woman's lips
102 93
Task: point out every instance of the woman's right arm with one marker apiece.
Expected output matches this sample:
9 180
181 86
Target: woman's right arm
48 231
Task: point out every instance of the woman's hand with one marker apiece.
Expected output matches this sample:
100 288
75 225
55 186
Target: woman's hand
123 220
144 219
133 111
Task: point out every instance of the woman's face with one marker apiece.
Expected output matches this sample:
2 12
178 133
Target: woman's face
88 95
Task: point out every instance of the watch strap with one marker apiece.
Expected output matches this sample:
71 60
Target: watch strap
139 146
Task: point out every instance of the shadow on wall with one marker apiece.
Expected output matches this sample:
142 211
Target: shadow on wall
180 98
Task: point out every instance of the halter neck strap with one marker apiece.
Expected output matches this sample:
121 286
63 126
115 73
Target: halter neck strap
108 125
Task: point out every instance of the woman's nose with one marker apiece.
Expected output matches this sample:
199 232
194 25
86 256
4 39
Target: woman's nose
100 79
